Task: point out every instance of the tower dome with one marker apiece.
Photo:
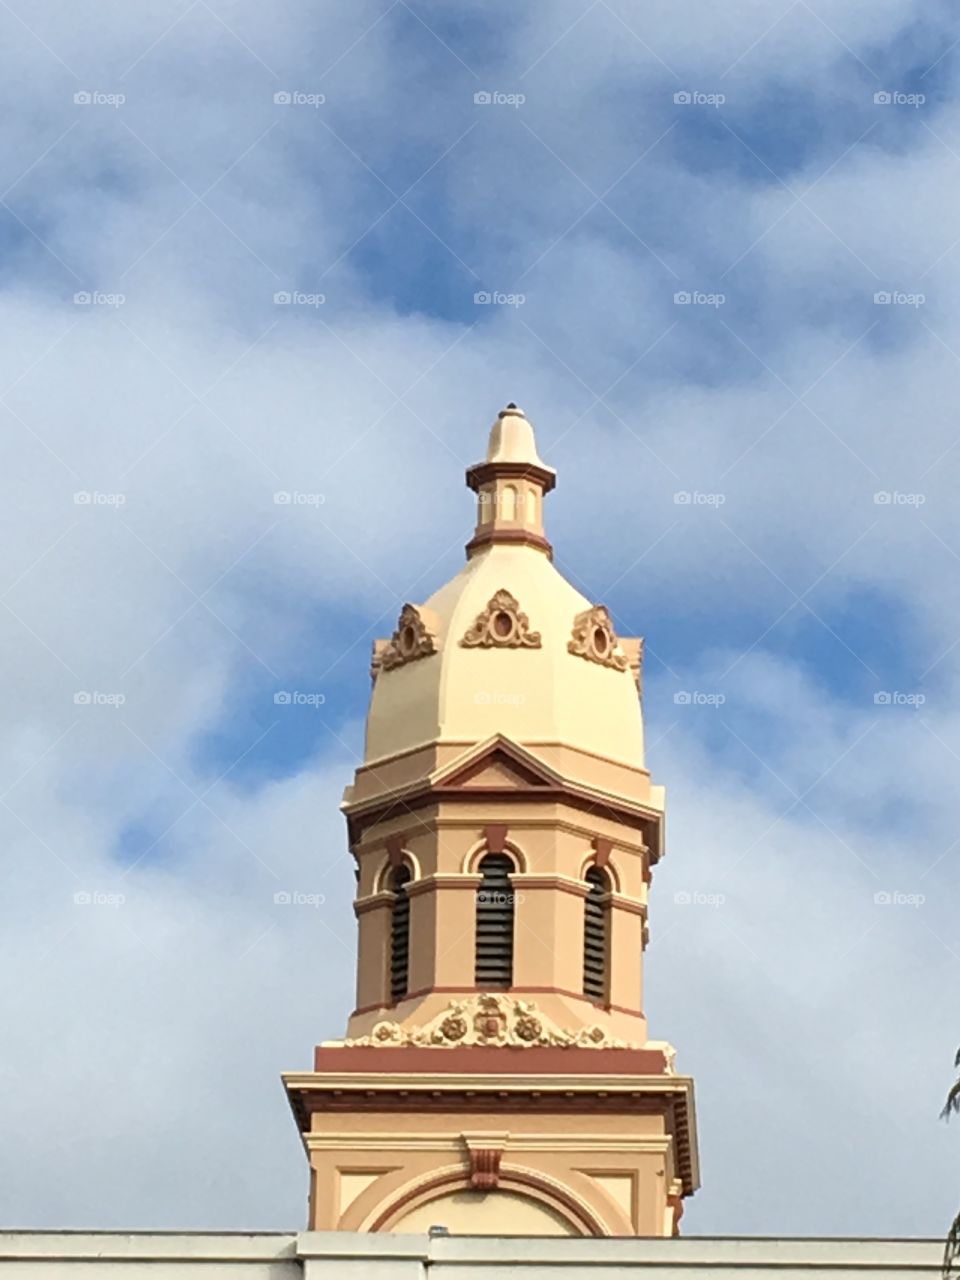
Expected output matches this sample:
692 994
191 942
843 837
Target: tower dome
508 646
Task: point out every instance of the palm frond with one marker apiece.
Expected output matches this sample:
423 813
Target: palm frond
952 1103
952 1251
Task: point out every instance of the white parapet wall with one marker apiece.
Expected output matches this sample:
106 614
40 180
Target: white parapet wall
68 1255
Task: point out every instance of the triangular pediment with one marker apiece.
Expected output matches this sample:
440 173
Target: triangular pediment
496 763
497 770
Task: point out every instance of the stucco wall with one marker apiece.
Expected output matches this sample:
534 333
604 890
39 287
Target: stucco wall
26 1255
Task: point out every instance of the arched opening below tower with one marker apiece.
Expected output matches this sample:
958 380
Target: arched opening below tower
486 1213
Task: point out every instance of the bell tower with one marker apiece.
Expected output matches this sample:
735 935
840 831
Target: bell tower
497 1076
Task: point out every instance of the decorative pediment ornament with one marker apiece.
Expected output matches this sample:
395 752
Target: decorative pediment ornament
636 665
501 626
412 639
595 639
489 1020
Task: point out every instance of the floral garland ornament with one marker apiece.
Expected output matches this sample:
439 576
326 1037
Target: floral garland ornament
502 625
595 639
412 639
489 1020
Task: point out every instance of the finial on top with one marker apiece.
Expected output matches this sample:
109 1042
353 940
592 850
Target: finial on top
512 440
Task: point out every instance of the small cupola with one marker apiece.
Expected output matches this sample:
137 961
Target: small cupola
510 485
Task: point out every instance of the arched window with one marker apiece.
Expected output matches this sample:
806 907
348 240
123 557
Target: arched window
399 934
494 967
596 942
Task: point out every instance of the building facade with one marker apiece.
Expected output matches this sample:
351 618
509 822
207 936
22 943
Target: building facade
497 1075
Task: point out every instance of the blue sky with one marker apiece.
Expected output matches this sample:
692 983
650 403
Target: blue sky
146 229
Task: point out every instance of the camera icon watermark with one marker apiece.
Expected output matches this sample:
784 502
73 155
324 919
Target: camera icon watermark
698 698
297 98
695 98
894 698
94 498
295 498
494 298
97 98
297 698
94 698
298 298
494 98
498 898
895 898
98 898
696 298
897 98
488 698
894 498
94 298
695 898
297 898
694 498
898 298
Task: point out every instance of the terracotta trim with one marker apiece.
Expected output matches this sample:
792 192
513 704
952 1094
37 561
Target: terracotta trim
602 848
485 1167
483 472
467 991
495 834
479 851
389 1068
519 537
638 819
395 849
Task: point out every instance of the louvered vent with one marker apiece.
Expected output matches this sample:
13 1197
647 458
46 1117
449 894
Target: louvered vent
595 936
495 923
399 935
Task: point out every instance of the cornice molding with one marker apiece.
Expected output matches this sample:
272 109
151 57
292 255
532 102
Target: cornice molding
482 473
539 880
443 880
509 537
382 898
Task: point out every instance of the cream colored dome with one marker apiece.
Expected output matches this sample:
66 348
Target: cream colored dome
508 646
530 695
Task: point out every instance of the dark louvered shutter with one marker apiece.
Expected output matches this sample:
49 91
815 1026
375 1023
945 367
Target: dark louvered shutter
595 936
495 923
399 935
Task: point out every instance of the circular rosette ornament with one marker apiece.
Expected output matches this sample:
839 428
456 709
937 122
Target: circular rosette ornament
528 1028
453 1028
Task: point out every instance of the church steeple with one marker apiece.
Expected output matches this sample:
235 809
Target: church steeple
510 485
497 1074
